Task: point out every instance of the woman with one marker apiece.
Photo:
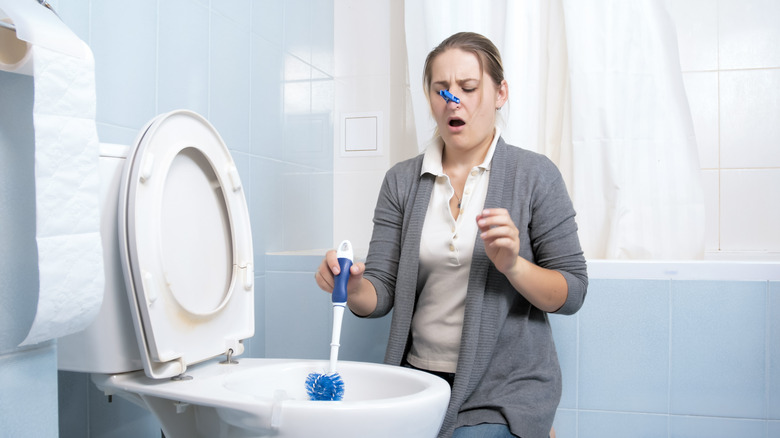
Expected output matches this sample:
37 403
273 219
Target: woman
474 242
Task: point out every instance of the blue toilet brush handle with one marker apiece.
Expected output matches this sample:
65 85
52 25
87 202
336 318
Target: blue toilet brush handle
340 284
339 298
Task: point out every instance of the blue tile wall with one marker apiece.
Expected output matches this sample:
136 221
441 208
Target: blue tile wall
180 49
671 358
773 350
709 427
28 404
624 337
565 333
28 376
261 71
718 348
299 316
609 424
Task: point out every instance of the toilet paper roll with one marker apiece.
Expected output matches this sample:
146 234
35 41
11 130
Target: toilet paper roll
70 258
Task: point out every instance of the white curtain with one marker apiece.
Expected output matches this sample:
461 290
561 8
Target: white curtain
596 86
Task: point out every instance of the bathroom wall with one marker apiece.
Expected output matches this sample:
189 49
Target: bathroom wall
269 76
262 72
731 71
28 376
731 67
672 352
371 77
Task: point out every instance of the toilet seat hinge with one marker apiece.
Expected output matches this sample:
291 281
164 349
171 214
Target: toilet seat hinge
229 360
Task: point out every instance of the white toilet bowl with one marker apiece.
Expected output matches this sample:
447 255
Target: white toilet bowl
266 398
180 298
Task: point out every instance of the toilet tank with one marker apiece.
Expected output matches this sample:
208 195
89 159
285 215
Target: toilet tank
108 345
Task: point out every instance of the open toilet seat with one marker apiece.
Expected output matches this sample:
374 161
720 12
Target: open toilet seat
185 245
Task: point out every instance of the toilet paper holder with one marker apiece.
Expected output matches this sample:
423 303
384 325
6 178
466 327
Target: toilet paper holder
44 3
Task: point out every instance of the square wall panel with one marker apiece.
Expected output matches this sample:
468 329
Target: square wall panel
748 33
718 345
624 346
750 118
750 210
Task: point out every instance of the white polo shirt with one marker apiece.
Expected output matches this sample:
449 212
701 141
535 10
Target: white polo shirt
446 248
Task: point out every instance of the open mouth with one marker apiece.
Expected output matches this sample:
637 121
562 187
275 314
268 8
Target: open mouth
457 122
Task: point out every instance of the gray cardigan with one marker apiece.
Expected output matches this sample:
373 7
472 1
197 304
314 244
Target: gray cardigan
508 368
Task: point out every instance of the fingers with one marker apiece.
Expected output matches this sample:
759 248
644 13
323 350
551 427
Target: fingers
326 271
329 269
496 222
500 237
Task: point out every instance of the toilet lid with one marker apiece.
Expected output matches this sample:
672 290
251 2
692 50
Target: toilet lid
186 245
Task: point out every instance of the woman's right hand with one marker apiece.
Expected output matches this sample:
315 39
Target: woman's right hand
361 296
329 269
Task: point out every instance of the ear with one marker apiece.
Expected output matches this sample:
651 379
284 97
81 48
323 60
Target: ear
502 95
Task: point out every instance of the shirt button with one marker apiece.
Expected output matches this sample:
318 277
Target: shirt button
467 192
453 229
474 172
452 247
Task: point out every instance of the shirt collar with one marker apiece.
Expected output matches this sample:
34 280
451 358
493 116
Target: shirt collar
433 153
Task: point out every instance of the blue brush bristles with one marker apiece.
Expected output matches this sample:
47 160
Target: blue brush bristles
325 387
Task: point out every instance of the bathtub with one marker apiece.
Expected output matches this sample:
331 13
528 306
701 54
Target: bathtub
673 349
715 268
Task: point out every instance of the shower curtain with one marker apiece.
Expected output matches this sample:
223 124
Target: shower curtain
596 86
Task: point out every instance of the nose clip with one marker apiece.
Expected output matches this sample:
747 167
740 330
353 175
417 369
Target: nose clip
447 96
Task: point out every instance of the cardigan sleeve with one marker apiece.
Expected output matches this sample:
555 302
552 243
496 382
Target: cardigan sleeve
553 235
386 239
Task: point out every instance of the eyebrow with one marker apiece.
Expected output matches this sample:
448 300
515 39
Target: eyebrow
446 84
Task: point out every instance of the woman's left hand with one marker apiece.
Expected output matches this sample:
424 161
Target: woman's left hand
501 237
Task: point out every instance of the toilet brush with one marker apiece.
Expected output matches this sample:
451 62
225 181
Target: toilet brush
330 386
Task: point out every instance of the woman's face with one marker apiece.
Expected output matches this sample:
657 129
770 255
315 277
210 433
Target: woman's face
469 124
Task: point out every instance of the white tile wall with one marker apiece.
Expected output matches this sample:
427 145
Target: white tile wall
750 211
750 118
702 90
697 33
748 34
710 181
730 56
362 68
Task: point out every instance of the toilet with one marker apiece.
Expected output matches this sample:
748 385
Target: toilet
179 303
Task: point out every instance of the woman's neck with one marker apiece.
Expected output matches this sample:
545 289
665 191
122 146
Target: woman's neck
463 160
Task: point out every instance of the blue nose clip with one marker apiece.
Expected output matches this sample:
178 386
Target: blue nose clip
447 96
